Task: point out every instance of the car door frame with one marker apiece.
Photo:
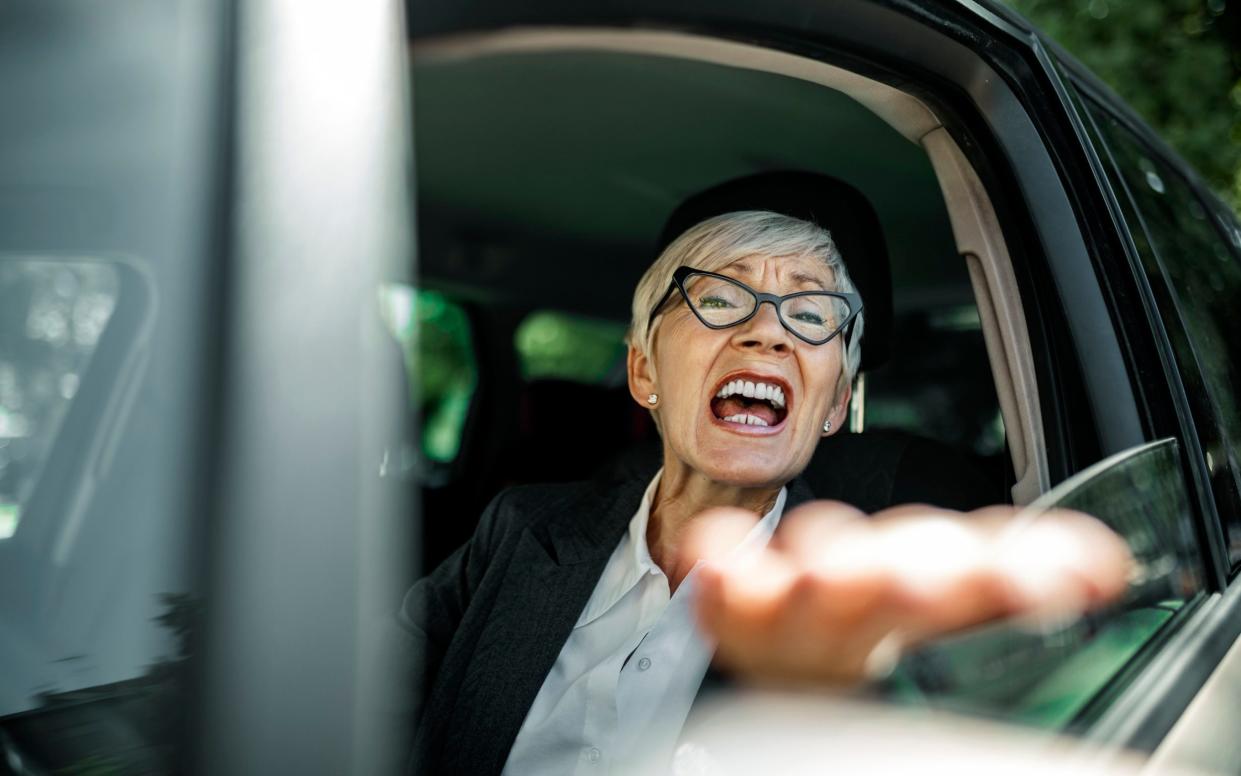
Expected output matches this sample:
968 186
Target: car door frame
991 75
1191 678
305 553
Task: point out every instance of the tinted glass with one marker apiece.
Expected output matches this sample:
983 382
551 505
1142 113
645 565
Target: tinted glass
52 314
1048 676
107 155
1196 279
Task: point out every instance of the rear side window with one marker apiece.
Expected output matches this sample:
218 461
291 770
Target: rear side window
441 370
1196 278
554 345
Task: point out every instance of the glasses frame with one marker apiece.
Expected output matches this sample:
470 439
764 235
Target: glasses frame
682 273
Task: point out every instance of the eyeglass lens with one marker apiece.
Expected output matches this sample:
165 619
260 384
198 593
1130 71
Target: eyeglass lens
720 302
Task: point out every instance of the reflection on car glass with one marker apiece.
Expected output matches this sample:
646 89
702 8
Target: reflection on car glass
1186 252
52 314
1047 674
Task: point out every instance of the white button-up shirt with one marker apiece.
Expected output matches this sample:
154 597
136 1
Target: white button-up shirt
626 677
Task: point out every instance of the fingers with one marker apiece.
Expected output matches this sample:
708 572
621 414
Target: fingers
776 623
787 613
1064 561
834 588
934 567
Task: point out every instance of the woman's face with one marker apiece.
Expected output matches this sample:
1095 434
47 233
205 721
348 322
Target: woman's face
723 437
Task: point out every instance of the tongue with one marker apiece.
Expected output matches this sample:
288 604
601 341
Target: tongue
737 405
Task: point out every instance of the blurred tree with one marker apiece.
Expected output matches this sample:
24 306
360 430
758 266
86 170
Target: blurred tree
1176 62
434 335
569 347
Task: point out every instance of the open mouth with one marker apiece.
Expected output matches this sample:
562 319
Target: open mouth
748 401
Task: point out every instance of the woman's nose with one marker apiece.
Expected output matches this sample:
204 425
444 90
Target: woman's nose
764 331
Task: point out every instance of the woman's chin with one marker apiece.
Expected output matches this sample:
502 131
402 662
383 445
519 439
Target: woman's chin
749 471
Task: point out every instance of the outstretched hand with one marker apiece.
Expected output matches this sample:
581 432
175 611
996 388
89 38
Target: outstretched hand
836 596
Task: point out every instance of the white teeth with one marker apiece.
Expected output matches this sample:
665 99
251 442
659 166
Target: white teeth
752 390
746 420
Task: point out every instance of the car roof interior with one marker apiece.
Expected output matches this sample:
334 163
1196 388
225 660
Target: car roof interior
577 159
548 167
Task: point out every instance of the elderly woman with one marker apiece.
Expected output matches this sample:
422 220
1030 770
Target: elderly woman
566 636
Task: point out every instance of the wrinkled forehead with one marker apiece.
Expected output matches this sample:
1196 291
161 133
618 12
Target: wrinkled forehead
800 273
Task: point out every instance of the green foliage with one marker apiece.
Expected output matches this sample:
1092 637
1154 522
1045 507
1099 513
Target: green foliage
569 348
434 333
1174 61
445 369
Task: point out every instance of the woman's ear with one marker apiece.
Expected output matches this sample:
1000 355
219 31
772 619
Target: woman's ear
641 377
839 413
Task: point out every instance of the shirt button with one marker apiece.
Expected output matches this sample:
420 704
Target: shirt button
644 664
593 754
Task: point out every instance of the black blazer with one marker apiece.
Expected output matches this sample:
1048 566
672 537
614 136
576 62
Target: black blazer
486 626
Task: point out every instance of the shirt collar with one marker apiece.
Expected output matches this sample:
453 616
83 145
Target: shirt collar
631 560
640 561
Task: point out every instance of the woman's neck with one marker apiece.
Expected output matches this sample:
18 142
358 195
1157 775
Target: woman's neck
682 495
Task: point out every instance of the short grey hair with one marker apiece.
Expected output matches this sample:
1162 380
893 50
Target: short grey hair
717 242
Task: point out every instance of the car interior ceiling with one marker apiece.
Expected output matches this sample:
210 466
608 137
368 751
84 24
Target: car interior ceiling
544 182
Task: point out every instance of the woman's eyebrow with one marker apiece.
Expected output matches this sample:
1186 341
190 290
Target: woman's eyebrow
804 279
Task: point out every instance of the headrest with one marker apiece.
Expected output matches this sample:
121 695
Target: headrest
828 202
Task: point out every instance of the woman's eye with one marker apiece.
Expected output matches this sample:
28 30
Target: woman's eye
715 302
809 317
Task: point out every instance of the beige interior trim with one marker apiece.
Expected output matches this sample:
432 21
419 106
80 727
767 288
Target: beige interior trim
980 241
905 113
974 224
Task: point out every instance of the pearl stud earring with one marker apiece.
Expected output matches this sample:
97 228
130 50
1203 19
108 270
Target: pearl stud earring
827 426
653 399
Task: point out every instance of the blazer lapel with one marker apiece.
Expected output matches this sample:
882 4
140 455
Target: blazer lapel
550 577
799 493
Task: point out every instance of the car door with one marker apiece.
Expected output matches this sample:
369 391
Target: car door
108 166
1100 381
198 202
1183 247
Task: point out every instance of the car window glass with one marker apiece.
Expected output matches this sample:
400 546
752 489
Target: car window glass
52 314
1185 250
1048 675
555 345
110 273
441 371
